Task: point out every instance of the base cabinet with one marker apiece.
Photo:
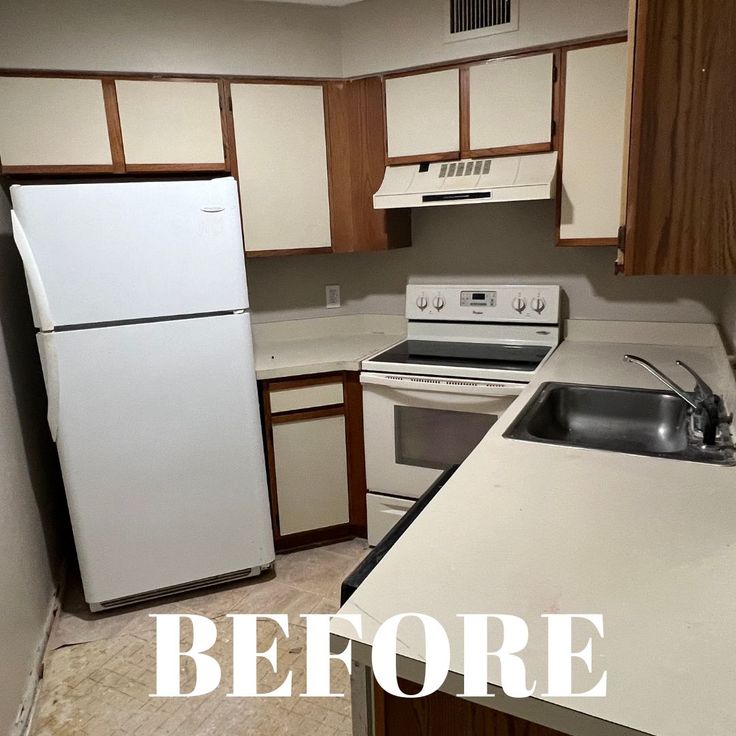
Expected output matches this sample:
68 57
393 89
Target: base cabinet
314 443
441 714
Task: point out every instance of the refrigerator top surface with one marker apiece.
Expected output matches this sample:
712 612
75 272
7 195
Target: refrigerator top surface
129 251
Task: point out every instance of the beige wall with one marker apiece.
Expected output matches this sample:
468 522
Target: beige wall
27 472
216 36
497 243
379 35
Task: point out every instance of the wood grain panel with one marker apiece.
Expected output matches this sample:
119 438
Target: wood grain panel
681 210
356 151
441 714
112 113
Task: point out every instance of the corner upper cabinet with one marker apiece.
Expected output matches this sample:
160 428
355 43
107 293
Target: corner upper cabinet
681 186
53 124
510 106
280 139
423 116
171 125
592 147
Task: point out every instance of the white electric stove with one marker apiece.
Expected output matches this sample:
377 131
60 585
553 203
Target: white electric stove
428 401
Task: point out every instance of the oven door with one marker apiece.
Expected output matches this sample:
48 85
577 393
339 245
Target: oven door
416 427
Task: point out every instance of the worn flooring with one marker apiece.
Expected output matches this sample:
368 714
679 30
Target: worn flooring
99 669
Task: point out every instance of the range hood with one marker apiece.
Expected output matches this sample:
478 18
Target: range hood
471 181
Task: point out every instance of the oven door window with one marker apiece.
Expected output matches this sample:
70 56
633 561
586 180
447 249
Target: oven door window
437 438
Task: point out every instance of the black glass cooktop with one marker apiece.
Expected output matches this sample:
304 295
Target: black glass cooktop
465 355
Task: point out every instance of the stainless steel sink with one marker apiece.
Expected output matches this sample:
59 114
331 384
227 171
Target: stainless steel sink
627 420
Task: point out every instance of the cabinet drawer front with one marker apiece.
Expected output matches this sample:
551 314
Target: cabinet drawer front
593 141
281 144
311 474
511 102
53 122
307 397
423 113
170 122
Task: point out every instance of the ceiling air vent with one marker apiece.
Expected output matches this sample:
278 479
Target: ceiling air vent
476 18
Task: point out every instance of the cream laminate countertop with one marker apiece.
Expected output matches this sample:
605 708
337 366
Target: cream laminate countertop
322 345
528 529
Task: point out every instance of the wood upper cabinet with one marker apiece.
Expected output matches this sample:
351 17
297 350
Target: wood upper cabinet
510 105
167 124
681 205
423 116
592 142
53 124
281 144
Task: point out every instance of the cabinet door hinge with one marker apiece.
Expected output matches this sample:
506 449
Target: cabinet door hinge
555 74
554 128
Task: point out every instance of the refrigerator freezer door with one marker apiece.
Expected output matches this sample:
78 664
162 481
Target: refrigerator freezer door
161 452
128 251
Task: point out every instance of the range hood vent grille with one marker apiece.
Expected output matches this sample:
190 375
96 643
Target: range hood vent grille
474 18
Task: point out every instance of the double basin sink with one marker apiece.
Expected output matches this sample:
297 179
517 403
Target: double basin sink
626 420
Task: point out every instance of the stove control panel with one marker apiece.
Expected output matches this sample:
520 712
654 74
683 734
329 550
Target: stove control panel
460 303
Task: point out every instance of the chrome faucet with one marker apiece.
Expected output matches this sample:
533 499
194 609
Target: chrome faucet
707 409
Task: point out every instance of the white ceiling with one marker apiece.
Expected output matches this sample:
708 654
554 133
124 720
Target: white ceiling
333 3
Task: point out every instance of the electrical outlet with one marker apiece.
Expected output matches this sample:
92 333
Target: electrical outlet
332 296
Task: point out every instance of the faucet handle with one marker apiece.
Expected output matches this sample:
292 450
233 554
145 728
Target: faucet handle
702 389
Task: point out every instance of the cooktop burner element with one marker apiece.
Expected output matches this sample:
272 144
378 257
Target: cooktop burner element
476 332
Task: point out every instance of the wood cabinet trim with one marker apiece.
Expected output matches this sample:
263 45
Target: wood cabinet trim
286 384
582 242
286 252
114 130
509 150
58 170
423 158
464 110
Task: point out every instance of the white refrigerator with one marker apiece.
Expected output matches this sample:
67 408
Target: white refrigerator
139 295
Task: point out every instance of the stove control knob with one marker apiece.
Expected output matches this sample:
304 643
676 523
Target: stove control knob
438 303
519 304
538 304
422 302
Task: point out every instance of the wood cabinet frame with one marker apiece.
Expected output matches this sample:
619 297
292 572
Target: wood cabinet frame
559 117
352 409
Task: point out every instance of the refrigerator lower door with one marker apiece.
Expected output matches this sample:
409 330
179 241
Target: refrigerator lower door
126 251
160 443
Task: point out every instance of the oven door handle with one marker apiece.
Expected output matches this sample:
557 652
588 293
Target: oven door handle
442 385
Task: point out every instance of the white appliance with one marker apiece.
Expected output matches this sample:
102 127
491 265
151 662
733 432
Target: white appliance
139 294
428 401
470 181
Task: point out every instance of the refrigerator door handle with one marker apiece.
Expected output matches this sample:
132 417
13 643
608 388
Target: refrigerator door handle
33 275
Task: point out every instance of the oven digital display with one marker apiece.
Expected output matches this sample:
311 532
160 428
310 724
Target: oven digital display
478 298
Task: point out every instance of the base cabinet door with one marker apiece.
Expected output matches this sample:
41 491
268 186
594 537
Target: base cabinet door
311 473
593 144
281 144
316 464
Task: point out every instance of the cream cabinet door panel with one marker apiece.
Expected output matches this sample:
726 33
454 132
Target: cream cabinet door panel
511 102
53 122
311 474
423 113
282 165
170 122
593 142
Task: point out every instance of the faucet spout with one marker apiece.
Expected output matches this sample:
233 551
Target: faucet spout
686 396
